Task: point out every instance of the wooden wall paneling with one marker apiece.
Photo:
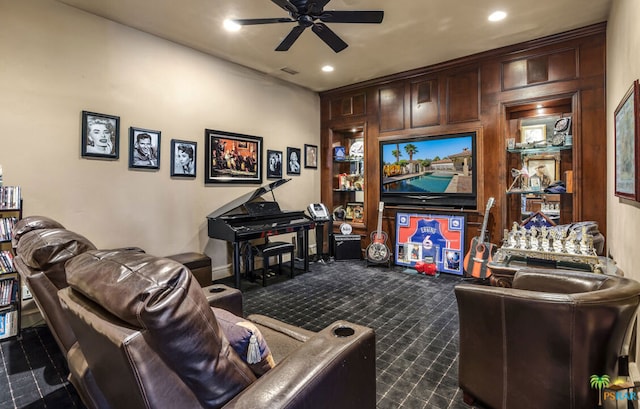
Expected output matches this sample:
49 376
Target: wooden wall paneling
514 74
391 108
537 69
425 103
590 141
563 65
463 96
349 105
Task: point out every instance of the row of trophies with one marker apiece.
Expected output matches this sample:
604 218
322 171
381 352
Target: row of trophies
548 240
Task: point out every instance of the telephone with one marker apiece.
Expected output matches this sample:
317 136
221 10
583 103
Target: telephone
318 212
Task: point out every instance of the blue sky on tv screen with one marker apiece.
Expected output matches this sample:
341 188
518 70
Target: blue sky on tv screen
428 148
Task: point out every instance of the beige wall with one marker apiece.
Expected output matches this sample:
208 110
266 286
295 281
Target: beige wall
56 61
623 67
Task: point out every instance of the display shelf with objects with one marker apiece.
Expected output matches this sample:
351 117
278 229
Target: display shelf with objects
10 294
539 158
347 166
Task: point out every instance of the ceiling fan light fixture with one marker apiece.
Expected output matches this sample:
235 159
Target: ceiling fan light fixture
497 15
231 25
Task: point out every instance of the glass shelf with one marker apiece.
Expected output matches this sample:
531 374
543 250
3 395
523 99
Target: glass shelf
540 150
534 192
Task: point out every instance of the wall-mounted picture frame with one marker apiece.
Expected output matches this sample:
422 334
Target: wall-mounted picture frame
183 158
274 164
533 133
627 147
293 161
232 157
311 156
144 148
100 135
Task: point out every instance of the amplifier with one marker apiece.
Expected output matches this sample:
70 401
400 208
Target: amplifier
347 247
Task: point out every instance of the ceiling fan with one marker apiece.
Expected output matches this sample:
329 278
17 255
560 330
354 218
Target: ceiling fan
306 13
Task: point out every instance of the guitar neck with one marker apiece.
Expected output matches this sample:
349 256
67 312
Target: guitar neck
483 231
380 209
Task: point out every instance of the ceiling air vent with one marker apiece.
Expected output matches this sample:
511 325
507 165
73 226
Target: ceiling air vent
289 70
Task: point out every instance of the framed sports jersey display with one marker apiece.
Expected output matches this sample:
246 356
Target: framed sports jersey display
432 238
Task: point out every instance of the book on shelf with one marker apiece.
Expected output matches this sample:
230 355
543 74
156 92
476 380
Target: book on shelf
6 262
10 197
8 324
8 291
6 227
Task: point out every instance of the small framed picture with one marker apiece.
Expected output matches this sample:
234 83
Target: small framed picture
183 158
311 156
144 148
339 153
274 164
293 161
533 133
100 135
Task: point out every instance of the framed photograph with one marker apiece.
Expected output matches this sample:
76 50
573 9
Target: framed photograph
339 153
626 145
144 148
354 212
311 156
183 158
293 161
533 133
232 157
544 167
274 164
100 135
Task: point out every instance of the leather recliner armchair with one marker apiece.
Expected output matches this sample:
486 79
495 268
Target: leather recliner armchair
536 345
42 246
152 341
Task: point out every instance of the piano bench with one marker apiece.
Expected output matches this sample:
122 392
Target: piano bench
199 264
275 248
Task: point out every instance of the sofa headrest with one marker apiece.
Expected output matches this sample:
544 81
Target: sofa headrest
561 281
129 282
159 296
41 249
31 223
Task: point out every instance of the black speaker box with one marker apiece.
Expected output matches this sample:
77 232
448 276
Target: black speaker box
347 247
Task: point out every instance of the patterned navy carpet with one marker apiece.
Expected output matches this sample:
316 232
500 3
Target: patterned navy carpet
414 316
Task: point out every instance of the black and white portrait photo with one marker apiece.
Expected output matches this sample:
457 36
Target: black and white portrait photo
274 164
144 148
100 135
183 158
293 161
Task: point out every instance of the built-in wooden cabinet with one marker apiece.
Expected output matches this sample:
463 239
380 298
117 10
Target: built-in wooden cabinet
494 94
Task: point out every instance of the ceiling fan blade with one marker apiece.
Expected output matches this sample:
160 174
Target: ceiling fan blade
345 16
329 37
314 7
285 4
252 21
290 38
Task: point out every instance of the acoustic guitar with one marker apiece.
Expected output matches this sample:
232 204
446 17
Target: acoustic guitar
480 251
377 251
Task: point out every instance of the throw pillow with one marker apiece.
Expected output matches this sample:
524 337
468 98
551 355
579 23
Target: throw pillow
247 340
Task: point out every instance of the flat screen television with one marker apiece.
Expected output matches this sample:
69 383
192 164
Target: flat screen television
429 171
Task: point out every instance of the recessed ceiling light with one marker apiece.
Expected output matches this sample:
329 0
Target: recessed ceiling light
230 25
327 68
497 15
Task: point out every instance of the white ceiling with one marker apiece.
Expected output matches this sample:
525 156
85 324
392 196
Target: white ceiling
413 34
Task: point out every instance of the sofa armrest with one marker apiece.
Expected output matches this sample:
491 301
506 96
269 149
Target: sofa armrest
297 333
225 297
334 368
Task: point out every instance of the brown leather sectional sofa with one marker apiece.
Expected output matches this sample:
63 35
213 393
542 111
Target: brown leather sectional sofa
138 331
